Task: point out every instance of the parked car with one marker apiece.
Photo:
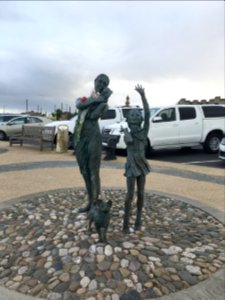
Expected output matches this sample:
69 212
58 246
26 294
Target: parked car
113 133
70 123
4 118
111 116
222 149
14 126
178 126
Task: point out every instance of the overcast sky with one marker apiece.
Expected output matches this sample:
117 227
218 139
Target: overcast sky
51 51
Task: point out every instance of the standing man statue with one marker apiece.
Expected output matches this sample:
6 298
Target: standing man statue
137 166
87 137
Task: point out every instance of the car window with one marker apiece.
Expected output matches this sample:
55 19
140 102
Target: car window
167 115
187 113
125 112
18 121
213 111
6 118
33 120
109 114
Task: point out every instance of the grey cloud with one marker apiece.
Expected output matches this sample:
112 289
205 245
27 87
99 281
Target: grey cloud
129 40
10 12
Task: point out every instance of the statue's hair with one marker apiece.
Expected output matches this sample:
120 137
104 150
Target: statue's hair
103 75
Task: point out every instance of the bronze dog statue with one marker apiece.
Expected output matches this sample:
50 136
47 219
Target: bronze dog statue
100 215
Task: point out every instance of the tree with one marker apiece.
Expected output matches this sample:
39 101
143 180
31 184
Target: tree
58 114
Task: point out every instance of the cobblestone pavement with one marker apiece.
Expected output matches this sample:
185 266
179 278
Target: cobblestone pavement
46 250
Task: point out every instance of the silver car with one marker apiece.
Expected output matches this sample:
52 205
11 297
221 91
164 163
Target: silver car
14 126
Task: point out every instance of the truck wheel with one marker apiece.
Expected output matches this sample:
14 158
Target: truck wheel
2 136
212 142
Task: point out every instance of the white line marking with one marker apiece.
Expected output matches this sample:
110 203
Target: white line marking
202 162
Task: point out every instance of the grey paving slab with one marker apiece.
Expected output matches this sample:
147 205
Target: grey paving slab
72 164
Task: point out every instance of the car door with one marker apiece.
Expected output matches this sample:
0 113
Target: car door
190 125
164 128
14 127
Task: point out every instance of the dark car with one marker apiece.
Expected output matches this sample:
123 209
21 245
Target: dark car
4 118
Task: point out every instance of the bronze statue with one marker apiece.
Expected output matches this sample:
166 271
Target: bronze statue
99 214
136 167
87 137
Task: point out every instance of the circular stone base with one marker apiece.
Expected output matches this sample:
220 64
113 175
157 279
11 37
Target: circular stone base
47 250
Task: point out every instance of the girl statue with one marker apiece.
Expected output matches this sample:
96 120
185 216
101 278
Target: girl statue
136 167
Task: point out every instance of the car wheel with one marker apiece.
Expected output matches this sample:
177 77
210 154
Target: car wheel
212 142
2 136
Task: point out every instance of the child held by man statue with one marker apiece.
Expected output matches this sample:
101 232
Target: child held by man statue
136 167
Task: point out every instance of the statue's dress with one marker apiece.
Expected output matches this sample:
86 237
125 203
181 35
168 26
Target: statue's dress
88 147
137 164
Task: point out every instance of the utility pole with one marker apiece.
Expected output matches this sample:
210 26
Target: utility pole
26 105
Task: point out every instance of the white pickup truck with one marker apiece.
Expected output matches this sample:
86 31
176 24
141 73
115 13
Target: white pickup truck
177 126
112 115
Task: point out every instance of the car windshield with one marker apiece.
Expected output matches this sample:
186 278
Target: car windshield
152 111
126 111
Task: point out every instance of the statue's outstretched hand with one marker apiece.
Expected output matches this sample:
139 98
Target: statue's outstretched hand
140 90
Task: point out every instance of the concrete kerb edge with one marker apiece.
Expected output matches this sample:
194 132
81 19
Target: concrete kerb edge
210 289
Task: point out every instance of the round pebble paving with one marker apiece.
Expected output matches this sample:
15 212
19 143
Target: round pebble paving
46 249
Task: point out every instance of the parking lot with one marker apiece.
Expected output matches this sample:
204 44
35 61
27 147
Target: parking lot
192 156
195 156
